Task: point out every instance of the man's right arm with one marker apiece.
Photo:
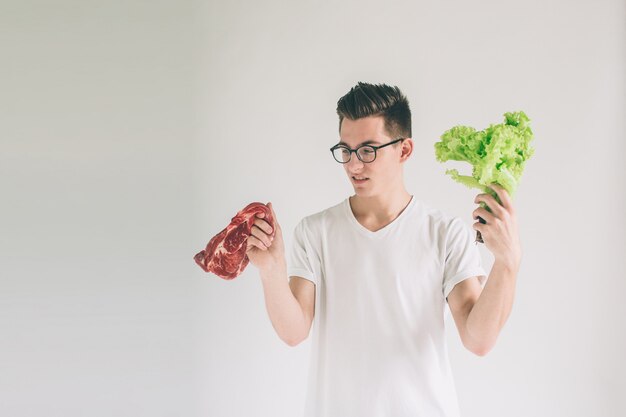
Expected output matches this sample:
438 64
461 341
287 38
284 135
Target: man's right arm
290 304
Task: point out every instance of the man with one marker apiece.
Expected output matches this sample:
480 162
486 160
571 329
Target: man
372 275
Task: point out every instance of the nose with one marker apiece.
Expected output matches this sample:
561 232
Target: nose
354 161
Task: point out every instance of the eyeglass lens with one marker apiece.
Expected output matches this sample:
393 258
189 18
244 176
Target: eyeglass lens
365 153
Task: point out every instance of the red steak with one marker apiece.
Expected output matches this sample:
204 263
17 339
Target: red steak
225 254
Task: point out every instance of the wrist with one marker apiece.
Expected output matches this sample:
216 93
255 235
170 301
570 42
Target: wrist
509 264
273 269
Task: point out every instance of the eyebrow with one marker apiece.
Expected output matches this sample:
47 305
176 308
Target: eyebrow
367 142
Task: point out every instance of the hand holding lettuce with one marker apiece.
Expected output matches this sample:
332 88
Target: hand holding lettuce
497 154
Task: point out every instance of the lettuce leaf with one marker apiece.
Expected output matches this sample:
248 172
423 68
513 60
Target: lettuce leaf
497 154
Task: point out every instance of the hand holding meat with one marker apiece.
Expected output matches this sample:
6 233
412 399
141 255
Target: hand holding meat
226 253
266 248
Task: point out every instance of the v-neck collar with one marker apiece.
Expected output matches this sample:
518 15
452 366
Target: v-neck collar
380 232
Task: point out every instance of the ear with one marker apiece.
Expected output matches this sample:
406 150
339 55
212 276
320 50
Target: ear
407 149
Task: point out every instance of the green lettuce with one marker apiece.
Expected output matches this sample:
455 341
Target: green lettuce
497 153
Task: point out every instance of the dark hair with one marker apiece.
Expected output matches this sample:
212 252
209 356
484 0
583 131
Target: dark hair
366 99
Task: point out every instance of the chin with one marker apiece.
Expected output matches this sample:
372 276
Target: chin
364 193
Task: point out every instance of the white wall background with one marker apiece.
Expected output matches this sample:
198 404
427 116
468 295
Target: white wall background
132 132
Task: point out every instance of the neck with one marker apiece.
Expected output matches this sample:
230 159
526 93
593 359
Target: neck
381 207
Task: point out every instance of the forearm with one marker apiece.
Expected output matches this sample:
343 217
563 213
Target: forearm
282 306
492 309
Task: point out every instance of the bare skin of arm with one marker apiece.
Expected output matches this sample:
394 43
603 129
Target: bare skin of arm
290 303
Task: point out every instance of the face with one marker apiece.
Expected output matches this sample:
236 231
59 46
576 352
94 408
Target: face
386 170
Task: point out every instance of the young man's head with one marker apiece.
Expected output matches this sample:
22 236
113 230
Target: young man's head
374 114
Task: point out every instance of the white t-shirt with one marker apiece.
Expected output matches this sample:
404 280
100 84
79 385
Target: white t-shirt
378 337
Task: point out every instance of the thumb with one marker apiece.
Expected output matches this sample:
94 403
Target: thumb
273 214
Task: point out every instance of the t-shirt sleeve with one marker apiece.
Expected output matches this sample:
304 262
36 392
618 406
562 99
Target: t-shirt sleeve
302 256
462 258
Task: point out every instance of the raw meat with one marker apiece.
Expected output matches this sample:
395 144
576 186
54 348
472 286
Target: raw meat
225 254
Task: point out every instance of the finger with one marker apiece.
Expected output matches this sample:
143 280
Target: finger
504 196
271 206
252 240
250 245
262 216
482 212
480 227
263 225
260 234
491 202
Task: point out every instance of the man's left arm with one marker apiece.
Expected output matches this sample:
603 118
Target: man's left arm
480 315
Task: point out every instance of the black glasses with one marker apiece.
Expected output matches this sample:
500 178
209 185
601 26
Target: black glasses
366 153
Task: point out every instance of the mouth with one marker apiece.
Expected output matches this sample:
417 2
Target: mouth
359 180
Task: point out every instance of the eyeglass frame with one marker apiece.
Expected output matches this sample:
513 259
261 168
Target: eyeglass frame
376 148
